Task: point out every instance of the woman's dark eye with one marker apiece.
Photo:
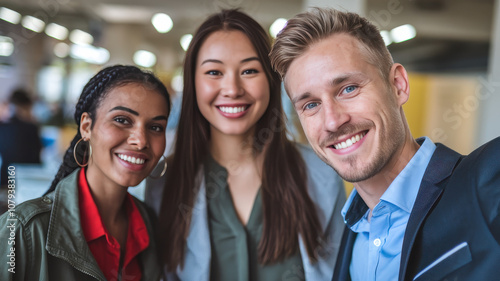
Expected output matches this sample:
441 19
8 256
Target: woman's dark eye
250 71
157 129
121 120
213 72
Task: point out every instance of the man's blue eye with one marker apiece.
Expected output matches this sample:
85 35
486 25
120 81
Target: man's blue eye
349 89
311 105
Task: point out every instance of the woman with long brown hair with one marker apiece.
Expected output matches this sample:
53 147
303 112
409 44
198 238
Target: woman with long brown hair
239 200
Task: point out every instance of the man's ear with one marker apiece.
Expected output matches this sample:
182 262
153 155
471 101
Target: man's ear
85 126
399 80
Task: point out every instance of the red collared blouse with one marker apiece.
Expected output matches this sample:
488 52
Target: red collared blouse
104 247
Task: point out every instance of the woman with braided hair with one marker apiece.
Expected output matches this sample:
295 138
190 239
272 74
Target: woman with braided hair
87 227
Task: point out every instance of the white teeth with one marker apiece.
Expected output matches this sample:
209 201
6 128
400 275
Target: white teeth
349 142
130 159
227 109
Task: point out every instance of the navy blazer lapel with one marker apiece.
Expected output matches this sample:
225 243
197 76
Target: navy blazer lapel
357 209
441 166
341 271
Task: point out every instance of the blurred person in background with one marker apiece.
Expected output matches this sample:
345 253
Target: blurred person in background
19 134
87 226
240 201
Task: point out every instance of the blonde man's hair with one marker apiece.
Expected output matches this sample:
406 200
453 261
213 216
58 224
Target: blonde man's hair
310 27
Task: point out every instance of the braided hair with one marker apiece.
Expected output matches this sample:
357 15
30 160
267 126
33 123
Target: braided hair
94 93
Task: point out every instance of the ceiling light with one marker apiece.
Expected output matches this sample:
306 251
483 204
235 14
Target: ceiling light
90 54
10 15
57 31
386 36
162 22
78 36
33 24
185 40
6 46
403 33
144 58
123 12
277 26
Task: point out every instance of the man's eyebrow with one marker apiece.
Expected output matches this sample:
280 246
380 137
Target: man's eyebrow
300 97
334 83
347 76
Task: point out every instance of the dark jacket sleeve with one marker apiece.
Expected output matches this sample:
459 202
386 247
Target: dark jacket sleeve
486 174
14 250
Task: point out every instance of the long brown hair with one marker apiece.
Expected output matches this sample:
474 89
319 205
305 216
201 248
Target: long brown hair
287 207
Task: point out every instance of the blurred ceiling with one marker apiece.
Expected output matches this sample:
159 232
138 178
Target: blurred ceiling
94 16
451 34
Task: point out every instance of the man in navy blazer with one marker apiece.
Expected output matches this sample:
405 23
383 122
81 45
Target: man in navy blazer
419 210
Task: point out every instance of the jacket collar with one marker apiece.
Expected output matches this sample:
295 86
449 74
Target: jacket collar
440 168
322 188
65 238
198 251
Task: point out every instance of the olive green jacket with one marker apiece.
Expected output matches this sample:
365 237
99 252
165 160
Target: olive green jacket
49 240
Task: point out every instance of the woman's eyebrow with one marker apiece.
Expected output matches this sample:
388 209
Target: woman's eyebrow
124 109
160 117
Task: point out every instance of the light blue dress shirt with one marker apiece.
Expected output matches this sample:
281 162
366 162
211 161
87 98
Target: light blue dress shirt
377 249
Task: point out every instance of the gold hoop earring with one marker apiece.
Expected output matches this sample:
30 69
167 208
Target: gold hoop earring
84 153
164 169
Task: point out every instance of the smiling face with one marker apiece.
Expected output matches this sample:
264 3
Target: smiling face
232 90
351 116
127 136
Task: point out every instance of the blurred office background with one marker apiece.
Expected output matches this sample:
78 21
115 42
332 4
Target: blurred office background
51 48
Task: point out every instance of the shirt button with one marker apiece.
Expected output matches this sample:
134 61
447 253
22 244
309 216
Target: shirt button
376 242
47 200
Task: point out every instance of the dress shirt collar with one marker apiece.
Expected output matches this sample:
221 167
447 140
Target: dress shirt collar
402 192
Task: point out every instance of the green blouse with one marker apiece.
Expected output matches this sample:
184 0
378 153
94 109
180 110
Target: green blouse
234 245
